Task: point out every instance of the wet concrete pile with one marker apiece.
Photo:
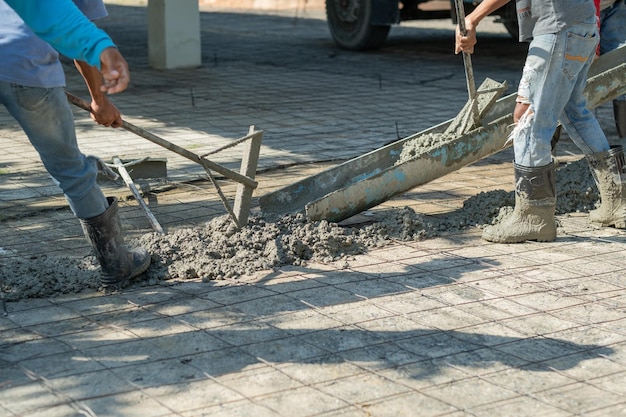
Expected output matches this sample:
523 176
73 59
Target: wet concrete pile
218 250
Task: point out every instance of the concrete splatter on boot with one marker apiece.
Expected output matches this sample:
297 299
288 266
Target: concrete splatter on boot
118 263
609 172
619 112
535 203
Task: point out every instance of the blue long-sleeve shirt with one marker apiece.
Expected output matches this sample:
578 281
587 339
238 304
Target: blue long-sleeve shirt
62 25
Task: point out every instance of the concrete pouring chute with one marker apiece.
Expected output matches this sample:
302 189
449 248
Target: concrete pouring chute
368 180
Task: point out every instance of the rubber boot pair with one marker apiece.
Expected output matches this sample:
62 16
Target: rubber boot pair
535 203
609 172
118 263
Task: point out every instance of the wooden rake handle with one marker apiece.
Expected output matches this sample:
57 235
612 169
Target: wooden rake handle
467 60
228 173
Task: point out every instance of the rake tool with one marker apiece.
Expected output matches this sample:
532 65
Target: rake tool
245 177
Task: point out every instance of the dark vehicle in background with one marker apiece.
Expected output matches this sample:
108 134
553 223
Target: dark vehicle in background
360 25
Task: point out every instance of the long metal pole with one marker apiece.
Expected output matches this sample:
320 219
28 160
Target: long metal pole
469 70
233 175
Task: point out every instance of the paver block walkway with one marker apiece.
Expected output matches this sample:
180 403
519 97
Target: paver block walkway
452 326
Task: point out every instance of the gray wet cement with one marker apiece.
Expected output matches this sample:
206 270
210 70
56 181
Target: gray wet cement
220 250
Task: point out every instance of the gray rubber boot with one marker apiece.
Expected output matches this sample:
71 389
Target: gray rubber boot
609 173
535 202
118 263
619 111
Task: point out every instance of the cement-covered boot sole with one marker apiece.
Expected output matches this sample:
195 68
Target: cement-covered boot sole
617 220
140 261
519 227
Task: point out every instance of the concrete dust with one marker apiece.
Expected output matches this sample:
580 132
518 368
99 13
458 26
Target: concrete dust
219 251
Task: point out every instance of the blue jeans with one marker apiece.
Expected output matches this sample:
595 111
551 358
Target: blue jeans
553 82
613 29
47 120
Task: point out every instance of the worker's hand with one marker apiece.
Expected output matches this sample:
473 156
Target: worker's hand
465 43
114 71
519 111
105 113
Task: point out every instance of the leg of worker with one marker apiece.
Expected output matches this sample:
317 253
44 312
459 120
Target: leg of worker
46 117
607 164
612 36
557 68
535 188
47 120
580 123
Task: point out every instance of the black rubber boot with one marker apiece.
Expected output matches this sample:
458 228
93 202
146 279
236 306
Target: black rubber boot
535 203
619 111
556 136
118 263
609 172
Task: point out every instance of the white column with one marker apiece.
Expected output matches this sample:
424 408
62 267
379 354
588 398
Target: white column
174 34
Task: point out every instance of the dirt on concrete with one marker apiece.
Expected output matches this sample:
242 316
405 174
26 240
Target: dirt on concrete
218 250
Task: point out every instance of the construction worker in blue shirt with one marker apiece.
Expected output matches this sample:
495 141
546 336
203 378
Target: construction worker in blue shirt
32 85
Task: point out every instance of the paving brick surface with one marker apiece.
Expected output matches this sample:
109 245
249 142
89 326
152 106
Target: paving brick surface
452 326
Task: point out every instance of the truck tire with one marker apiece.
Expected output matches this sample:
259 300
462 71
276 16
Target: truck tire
350 25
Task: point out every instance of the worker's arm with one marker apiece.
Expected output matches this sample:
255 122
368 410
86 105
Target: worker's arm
102 110
485 8
62 25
